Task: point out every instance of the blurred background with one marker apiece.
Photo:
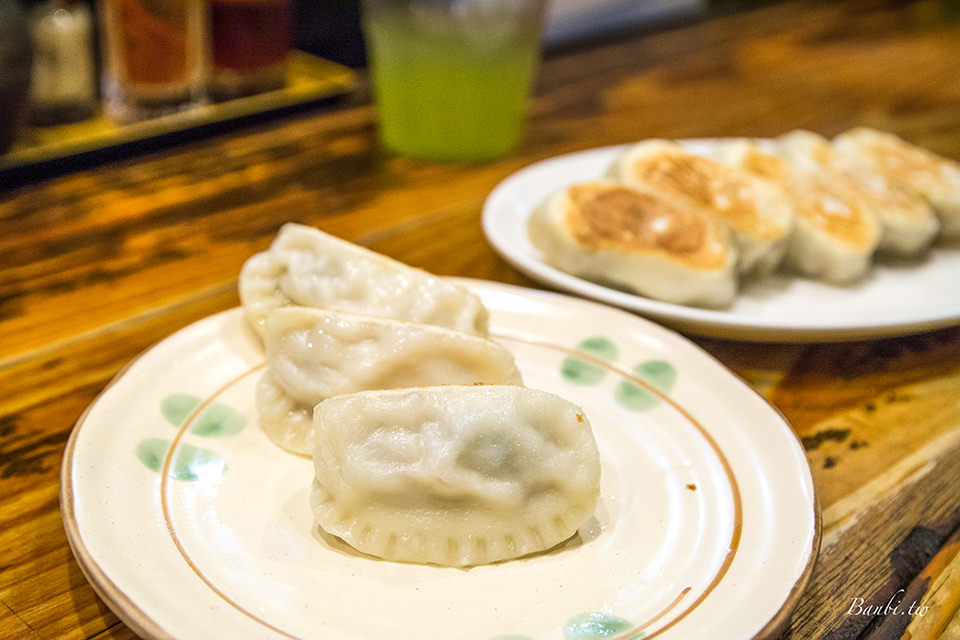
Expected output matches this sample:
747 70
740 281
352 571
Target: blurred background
65 39
54 54
75 75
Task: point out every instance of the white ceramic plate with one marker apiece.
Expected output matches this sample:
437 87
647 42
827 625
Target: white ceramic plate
894 299
191 524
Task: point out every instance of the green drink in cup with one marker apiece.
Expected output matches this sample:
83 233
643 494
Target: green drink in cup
452 77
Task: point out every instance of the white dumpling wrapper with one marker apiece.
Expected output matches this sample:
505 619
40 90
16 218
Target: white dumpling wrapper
453 475
307 267
313 354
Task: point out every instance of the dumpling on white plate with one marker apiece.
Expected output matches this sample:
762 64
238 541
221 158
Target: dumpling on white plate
653 245
313 354
453 475
307 267
834 234
756 211
933 176
909 222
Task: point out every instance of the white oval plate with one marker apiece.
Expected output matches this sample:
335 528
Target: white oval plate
894 299
191 524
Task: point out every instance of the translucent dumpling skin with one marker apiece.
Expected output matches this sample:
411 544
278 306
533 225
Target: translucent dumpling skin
453 475
309 268
313 354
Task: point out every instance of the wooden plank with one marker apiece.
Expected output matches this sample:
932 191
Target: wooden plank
913 520
931 600
12 626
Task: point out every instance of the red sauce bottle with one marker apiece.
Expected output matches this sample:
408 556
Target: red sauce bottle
251 41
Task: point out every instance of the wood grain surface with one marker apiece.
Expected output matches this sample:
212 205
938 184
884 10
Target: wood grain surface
97 265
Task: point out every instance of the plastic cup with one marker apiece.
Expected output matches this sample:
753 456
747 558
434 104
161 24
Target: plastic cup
452 77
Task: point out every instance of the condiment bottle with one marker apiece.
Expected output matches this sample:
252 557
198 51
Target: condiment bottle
251 41
64 84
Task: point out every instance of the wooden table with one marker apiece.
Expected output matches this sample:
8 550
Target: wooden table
98 265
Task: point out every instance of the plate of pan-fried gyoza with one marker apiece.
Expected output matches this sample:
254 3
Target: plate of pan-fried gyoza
794 238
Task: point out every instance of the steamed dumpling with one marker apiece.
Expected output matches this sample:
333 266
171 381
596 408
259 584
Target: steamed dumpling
313 354
756 211
650 244
453 475
306 267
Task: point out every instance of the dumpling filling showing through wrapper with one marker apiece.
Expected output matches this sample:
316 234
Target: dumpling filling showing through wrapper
453 475
313 354
309 268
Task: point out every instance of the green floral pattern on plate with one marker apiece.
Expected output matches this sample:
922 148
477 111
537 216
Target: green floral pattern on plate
217 420
177 406
591 625
586 373
594 626
659 374
191 462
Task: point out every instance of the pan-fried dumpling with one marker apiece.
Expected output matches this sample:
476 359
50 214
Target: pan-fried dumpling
909 222
834 234
453 475
611 233
933 176
756 211
313 354
309 268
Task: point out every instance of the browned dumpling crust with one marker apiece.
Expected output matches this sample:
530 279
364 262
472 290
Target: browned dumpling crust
834 234
642 241
756 211
909 224
933 176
